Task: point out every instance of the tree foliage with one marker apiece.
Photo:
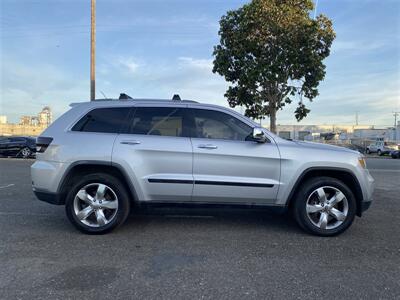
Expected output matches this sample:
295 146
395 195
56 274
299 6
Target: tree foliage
272 52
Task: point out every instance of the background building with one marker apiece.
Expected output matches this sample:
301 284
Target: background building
45 116
355 134
3 119
28 125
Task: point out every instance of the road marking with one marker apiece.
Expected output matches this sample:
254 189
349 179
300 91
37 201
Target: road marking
23 214
6 186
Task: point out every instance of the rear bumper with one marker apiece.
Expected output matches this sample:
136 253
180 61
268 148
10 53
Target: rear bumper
53 198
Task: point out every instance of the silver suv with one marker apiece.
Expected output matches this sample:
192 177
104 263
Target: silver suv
101 157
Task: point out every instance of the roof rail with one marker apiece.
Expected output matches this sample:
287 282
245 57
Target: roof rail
131 99
124 96
176 97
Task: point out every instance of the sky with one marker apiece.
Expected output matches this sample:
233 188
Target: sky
157 48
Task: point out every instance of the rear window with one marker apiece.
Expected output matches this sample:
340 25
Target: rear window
18 139
107 120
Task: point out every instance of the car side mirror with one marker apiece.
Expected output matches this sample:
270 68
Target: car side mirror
259 135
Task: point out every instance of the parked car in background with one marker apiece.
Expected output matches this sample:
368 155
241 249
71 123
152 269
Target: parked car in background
395 154
381 147
18 146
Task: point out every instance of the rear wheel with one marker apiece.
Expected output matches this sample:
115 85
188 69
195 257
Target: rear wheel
97 203
26 152
367 151
324 206
379 152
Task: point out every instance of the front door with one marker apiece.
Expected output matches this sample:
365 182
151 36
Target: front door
156 151
227 166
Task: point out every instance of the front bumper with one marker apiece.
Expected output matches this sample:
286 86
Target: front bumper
365 206
368 186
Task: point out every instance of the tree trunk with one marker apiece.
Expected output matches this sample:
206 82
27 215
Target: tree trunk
272 119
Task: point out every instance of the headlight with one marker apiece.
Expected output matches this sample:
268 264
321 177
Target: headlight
361 161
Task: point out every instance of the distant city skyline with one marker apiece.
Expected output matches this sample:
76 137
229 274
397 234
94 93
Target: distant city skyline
154 49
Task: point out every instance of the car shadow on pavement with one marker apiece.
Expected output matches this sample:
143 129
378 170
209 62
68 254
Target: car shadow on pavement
214 221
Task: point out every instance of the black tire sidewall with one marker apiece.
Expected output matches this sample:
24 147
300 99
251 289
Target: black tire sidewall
301 200
120 191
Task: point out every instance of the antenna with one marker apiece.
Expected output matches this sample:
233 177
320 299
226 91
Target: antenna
105 97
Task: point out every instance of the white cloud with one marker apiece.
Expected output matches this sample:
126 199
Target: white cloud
26 88
200 64
129 64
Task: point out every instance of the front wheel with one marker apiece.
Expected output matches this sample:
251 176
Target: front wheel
324 206
379 152
368 151
97 203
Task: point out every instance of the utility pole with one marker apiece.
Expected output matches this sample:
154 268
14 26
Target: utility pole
395 114
356 118
92 50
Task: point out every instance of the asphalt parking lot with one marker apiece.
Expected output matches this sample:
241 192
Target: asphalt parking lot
225 256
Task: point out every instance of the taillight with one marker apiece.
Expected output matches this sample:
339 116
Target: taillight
42 143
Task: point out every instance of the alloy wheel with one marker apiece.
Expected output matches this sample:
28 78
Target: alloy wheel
25 152
95 205
327 207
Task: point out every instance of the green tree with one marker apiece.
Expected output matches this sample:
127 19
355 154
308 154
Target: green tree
272 52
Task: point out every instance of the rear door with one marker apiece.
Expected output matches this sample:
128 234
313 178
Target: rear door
15 145
156 152
92 137
227 166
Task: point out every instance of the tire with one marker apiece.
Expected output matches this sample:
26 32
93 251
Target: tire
367 151
86 212
314 221
25 152
379 152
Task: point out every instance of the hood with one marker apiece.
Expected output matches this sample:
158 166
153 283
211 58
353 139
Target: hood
320 146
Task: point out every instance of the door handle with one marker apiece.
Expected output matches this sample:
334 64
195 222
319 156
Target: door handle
130 142
207 146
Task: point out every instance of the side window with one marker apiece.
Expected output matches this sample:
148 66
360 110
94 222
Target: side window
107 120
18 140
211 124
163 121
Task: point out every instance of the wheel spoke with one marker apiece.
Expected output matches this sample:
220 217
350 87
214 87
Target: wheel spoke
337 214
314 208
100 191
338 197
321 195
110 204
84 196
101 218
323 220
84 213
